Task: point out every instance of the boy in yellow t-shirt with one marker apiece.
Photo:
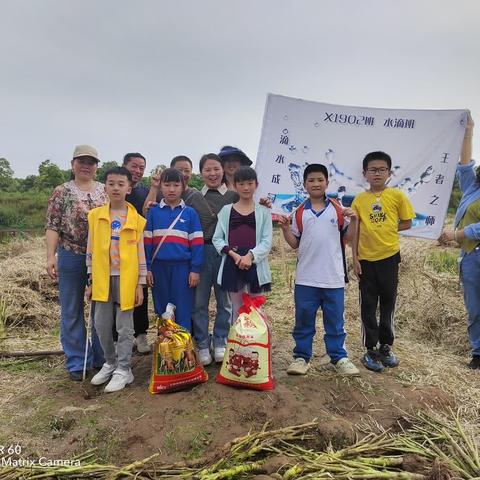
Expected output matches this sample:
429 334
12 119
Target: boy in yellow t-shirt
382 213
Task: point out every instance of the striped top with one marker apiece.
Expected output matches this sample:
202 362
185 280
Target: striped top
117 221
183 243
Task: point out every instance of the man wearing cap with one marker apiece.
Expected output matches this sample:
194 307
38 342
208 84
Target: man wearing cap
232 159
66 235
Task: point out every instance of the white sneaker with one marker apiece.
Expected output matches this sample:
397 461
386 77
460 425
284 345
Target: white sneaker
219 353
204 356
119 381
142 344
298 367
104 374
346 368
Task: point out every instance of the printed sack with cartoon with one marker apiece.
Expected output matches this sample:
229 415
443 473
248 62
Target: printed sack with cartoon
174 364
247 362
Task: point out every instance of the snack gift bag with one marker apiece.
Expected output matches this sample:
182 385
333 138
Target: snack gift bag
247 362
175 364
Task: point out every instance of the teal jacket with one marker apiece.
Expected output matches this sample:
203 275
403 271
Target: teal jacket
263 221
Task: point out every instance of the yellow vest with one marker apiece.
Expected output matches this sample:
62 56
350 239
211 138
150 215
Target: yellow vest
130 235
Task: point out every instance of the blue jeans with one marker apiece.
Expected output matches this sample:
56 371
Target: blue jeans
307 302
170 285
470 275
208 278
72 279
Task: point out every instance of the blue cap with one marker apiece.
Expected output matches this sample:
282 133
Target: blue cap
227 151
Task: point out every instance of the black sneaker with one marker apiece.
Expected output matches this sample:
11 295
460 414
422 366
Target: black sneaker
474 363
387 357
76 376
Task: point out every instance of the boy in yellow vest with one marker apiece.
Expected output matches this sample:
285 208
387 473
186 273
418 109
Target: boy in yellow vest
117 272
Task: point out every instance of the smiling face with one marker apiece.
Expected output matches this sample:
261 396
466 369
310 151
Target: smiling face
212 173
184 167
117 187
231 166
84 168
136 167
316 184
377 173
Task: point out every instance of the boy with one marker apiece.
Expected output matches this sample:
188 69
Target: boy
382 213
117 272
317 231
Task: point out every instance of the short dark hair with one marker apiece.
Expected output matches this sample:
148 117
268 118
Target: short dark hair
180 158
370 157
244 174
172 175
315 167
129 156
478 174
209 156
118 171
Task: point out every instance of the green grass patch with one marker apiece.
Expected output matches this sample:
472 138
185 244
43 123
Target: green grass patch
443 261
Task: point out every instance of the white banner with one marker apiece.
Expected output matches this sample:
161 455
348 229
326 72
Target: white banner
424 146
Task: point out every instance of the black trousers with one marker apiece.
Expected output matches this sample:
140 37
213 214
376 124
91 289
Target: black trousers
140 317
378 284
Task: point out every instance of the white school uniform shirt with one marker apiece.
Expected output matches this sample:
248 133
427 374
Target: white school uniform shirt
320 261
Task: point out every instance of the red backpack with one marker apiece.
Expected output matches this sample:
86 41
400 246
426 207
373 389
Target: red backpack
340 222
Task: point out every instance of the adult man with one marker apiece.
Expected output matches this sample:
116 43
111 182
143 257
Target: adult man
135 163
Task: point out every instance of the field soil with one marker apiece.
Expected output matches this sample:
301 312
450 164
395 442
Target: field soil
49 415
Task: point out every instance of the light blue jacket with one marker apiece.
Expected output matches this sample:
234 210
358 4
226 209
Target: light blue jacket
263 240
471 193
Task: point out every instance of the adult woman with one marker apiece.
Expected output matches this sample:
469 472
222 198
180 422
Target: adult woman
467 234
232 159
66 234
217 196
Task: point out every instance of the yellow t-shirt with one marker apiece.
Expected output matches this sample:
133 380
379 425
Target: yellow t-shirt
379 214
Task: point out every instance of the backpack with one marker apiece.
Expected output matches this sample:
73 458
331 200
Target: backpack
340 222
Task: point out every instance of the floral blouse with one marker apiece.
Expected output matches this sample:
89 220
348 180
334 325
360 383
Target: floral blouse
67 212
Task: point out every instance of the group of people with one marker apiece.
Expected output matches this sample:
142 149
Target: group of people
116 241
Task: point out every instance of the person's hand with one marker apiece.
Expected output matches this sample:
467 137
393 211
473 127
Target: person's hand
245 262
193 279
447 235
155 179
150 204
470 124
284 222
88 293
266 202
150 279
235 257
349 213
138 295
357 268
51 267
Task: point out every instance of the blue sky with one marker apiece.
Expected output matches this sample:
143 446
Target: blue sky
168 78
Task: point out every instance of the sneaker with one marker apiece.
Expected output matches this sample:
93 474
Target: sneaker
76 376
219 353
387 357
142 344
346 368
474 363
204 356
119 381
371 361
104 374
299 366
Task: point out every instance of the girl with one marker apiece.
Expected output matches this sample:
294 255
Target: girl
173 249
244 238
216 195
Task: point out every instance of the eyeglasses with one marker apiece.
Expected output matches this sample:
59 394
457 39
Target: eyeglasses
378 170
